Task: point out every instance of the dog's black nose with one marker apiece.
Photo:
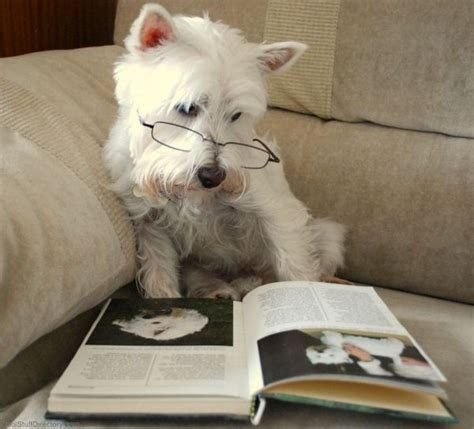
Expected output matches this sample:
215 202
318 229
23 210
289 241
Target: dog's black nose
210 177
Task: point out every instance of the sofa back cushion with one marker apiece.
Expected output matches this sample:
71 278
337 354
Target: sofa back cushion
407 198
406 63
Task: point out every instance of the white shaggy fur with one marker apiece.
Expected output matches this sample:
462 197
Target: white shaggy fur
192 240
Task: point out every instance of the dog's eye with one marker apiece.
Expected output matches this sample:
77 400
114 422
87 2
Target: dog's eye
235 116
188 109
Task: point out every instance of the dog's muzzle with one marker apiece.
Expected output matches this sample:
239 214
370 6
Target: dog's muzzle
210 177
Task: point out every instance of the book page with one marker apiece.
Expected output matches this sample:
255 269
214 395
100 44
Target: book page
296 329
168 347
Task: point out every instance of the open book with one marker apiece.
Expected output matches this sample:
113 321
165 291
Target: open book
314 343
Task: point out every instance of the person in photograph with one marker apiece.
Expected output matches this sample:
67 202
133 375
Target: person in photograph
164 324
368 352
370 364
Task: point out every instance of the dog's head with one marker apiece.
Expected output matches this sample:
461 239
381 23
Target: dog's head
327 355
166 324
188 86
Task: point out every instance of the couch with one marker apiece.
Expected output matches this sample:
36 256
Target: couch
376 129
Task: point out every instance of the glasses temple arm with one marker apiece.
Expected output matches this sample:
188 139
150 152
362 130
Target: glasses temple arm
273 157
142 121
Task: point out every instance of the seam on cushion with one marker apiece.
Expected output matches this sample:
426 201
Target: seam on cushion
38 121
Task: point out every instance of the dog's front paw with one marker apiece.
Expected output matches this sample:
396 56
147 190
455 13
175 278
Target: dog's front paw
246 284
337 280
221 291
224 293
154 284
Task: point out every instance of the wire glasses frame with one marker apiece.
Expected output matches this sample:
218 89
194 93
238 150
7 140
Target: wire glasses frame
271 157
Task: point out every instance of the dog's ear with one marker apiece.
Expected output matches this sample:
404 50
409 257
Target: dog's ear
279 57
153 27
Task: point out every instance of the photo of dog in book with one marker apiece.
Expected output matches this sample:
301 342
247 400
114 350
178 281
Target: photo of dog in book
165 322
213 212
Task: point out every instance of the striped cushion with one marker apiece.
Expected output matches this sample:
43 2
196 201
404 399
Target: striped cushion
307 86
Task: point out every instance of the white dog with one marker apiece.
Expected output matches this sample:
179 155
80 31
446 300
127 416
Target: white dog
176 323
214 214
327 355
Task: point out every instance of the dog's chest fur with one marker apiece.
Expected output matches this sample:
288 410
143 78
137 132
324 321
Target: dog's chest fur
216 235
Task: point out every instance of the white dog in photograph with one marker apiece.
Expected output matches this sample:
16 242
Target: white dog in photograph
327 355
213 212
176 323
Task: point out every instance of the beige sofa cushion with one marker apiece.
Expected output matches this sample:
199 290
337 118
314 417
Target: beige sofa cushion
407 63
65 240
407 198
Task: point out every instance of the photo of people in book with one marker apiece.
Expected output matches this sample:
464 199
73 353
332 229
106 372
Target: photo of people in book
295 353
165 322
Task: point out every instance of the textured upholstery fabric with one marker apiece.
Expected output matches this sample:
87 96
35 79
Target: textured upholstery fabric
78 83
307 86
438 325
65 241
406 63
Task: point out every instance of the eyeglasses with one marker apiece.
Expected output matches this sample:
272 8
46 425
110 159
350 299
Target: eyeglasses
254 157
